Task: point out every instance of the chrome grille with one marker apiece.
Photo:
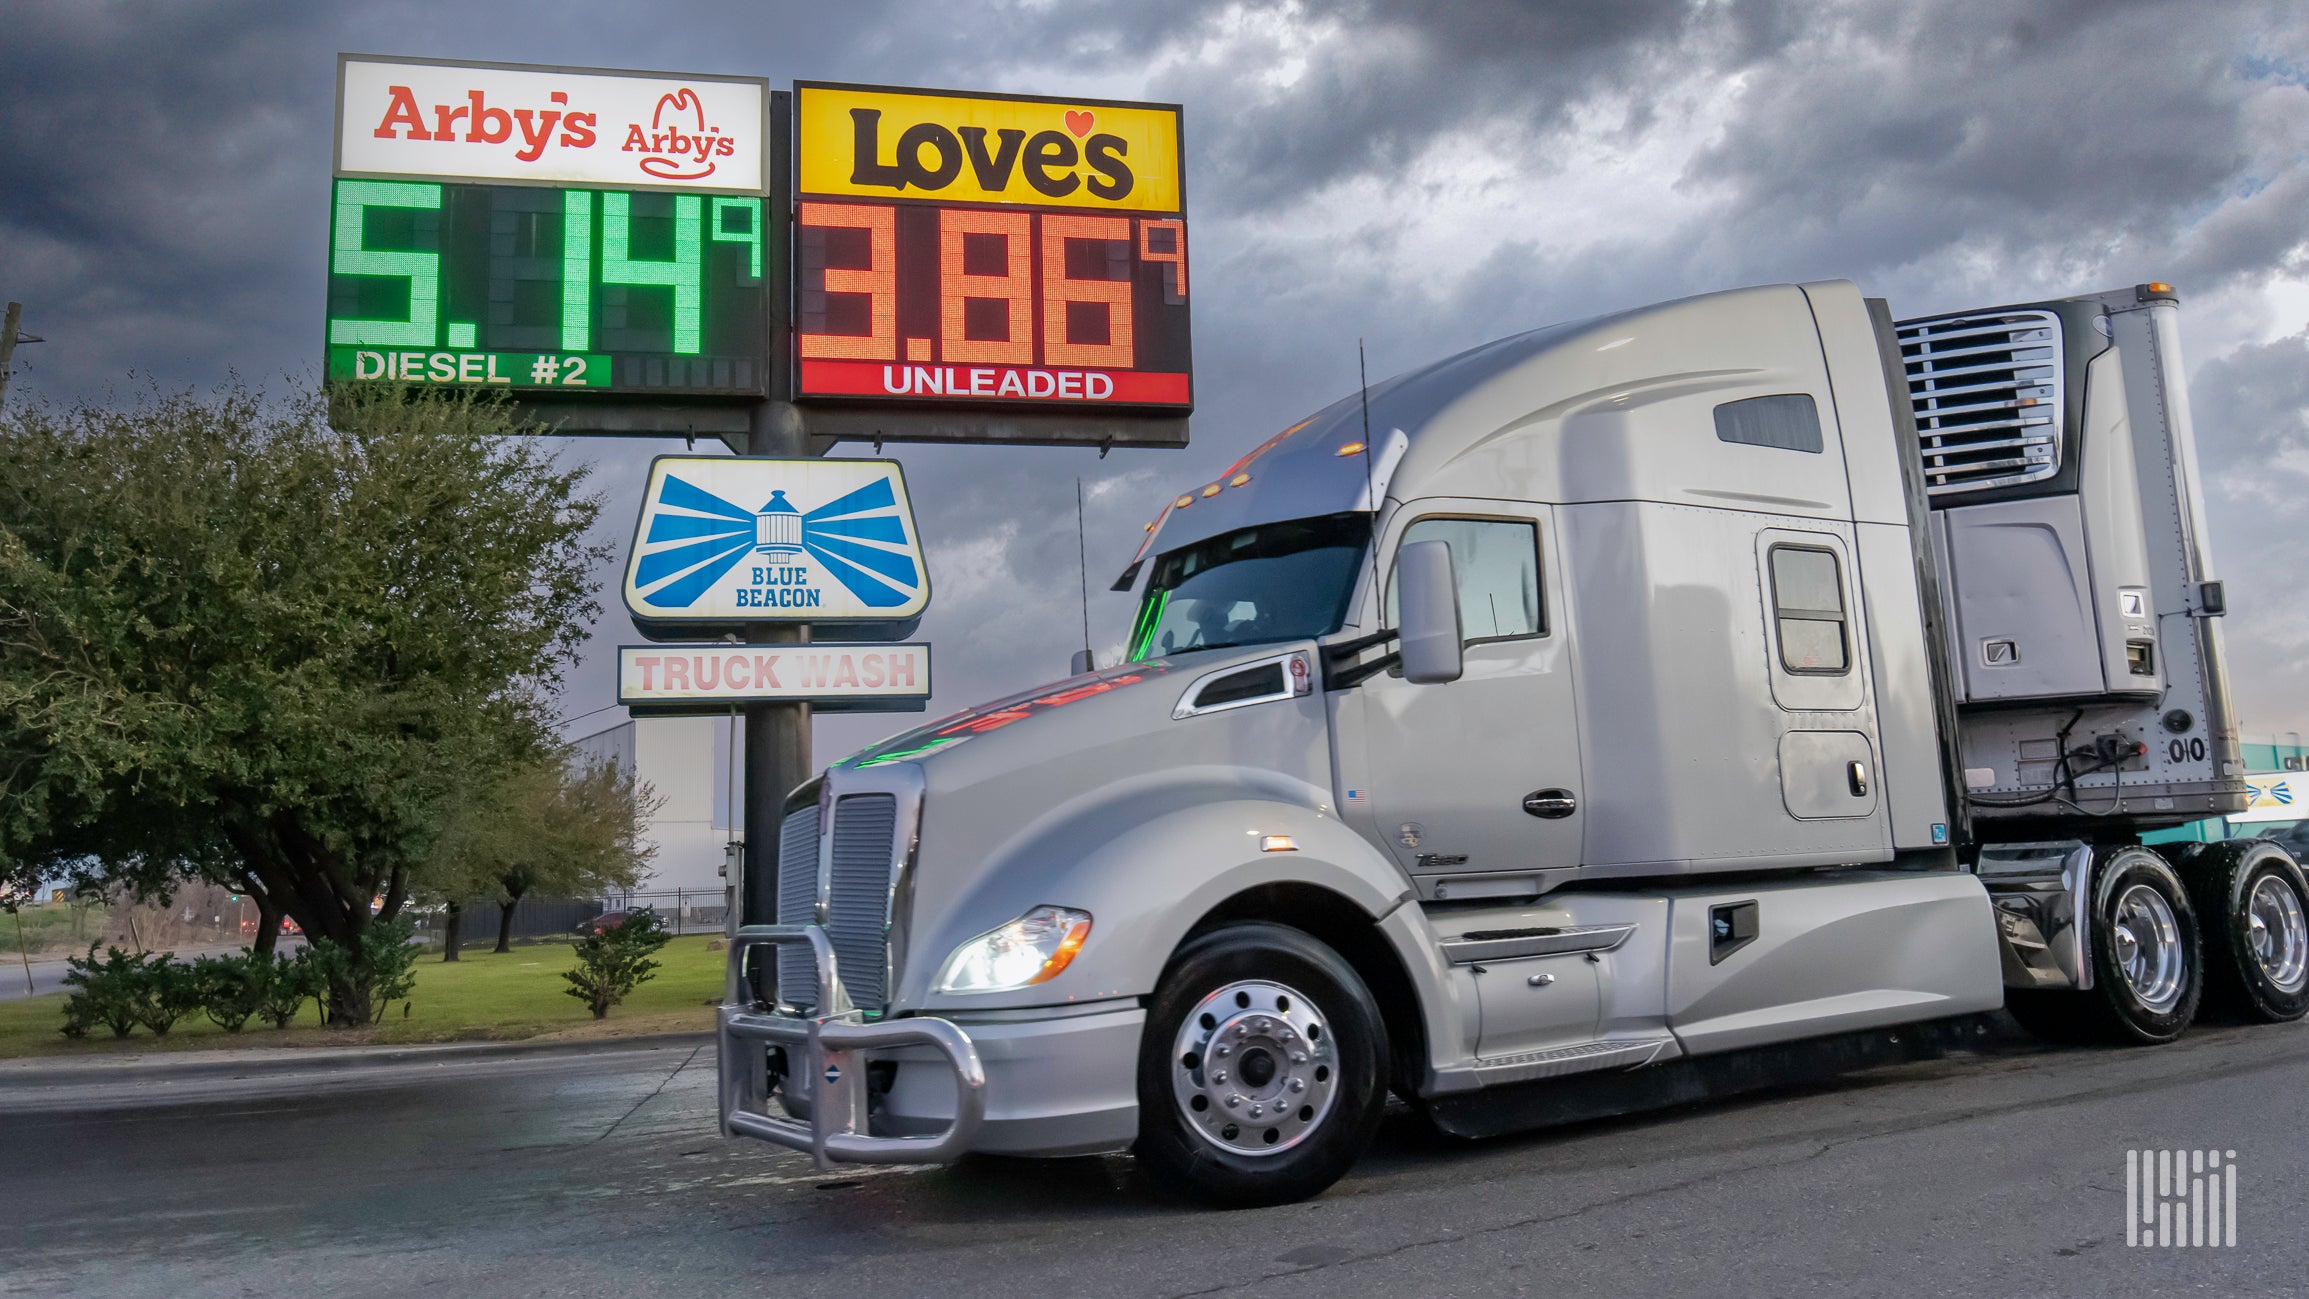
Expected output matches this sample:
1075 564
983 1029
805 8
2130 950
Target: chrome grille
858 894
1987 388
798 903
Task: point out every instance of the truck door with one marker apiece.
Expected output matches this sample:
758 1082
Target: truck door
1481 774
1816 648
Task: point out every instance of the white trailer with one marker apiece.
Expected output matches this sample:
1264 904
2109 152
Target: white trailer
1616 713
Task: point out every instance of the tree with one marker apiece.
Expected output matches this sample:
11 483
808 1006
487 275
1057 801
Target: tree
264 643
563 827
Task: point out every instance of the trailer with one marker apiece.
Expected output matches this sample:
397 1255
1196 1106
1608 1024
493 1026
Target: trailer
1611 714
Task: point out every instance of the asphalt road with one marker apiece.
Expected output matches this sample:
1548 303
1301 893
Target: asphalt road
598 1173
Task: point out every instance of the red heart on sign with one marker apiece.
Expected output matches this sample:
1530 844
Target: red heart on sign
1080 122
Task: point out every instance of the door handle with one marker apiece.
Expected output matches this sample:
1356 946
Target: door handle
1856 775
1550 804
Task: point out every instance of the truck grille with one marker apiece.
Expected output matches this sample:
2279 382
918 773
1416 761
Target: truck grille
798 903
858 896
857 914
1988 394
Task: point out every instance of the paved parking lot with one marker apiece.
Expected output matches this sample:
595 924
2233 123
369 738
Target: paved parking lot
597 1172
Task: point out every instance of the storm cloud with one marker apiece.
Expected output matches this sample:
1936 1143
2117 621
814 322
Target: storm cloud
1415 175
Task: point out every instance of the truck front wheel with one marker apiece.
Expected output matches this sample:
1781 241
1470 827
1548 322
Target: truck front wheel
1261 1076
2253 901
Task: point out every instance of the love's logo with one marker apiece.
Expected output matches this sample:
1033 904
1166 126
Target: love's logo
979 149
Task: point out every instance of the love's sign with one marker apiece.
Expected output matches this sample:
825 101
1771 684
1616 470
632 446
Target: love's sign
950 147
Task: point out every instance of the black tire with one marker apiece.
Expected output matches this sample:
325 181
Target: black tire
1176 1149
2228 882
2113 1010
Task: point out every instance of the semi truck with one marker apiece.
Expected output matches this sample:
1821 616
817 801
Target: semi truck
1617 713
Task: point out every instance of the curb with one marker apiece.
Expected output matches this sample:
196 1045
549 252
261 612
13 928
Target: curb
48 1071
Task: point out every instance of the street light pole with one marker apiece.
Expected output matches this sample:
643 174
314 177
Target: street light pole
8 346
10 336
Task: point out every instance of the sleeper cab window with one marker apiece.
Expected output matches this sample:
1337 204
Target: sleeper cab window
1498 565
1789 421
1808 605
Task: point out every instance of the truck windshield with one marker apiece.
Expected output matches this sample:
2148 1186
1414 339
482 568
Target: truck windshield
1273 582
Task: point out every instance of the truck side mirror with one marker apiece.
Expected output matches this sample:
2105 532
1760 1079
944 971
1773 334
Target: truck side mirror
1427 590
1081 663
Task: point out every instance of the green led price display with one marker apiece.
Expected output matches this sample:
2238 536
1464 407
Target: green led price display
543 288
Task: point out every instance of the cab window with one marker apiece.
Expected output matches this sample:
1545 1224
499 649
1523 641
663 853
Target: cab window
1808 606
1498 565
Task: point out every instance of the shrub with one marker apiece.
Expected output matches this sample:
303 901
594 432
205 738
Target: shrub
281 985
107 992
386 972
167 991
615 960
229 989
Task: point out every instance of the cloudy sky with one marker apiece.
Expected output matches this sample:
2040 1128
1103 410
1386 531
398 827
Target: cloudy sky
1420 175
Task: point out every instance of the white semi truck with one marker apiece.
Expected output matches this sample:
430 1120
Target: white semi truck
1616 713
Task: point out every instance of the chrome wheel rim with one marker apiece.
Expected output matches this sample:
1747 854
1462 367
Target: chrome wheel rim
1253 1069
2277 934
2148 947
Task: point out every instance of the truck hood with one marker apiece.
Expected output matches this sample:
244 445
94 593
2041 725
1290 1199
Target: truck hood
1092 692
1026 800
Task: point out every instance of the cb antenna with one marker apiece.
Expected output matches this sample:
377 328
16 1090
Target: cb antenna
1082 562
1363 384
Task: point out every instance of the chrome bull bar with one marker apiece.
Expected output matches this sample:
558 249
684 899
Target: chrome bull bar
826 1047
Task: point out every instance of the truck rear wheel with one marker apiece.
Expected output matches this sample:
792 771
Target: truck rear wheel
2253 900
1261 1077
2148 965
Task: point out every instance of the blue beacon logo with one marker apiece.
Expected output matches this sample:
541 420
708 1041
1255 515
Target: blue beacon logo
701 537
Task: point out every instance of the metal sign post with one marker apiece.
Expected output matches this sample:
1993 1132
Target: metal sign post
777 735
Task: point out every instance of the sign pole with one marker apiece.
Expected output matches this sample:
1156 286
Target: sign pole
8 346
777 735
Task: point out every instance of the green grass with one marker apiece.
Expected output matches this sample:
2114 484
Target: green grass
482 996
48 925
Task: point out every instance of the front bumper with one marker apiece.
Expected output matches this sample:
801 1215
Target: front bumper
1059 1083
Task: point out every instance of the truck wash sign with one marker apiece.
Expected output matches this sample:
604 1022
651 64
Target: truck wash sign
546 125
657 676
723 540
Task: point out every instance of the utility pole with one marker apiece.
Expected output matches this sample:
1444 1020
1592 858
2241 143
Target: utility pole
777 735
10 336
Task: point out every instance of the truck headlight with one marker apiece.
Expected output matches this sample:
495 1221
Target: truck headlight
1031 949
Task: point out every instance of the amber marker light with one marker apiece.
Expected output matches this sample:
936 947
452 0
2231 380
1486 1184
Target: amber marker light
1278 843
1238 480
1211 490
1183 502
1351 449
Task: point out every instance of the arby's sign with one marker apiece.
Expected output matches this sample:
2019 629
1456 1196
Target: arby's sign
481 121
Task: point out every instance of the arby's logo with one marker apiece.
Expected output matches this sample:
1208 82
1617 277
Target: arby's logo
680 145
485 123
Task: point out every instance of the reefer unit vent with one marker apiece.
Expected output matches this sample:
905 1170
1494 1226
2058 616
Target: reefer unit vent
1988 395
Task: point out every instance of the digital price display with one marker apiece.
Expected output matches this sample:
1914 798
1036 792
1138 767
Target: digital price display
972 249
547 288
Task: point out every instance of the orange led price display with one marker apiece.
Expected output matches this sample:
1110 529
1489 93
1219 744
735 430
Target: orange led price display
1027 252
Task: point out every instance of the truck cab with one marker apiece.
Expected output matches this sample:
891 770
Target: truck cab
1536 732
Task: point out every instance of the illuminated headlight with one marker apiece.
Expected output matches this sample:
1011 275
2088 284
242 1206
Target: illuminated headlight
1031 949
